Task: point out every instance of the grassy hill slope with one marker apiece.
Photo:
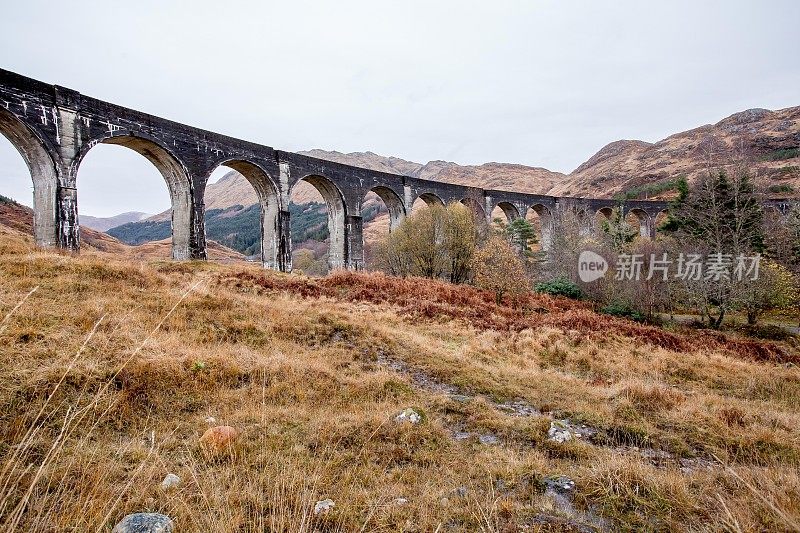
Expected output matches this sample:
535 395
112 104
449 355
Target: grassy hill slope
111 369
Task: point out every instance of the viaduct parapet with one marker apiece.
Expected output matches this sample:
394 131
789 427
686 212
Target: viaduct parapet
54 128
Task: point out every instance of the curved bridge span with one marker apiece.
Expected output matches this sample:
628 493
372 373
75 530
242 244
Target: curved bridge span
54 128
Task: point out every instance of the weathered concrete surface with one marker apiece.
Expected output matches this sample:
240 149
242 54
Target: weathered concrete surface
54 128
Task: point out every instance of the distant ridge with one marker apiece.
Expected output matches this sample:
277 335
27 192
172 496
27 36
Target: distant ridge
106 223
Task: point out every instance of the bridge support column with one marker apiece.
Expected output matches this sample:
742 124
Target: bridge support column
197 231
67 219
354 252
547 236
284 244
647 229
408 203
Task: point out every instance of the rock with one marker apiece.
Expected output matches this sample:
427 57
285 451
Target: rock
488 439
558 432
519 408
145 523
211 420
170 481
218 439
408 415
400 501
560 484
461 398
462 435
323 506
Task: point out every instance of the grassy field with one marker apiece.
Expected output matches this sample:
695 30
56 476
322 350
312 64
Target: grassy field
111 369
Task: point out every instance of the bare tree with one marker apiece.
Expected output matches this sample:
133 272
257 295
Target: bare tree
720 216
436 242
572 233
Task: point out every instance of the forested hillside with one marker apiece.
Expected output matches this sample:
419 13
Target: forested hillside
237 227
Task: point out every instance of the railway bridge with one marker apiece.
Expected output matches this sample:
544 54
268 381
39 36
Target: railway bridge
54 127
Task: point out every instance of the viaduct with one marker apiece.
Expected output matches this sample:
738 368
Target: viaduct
54 128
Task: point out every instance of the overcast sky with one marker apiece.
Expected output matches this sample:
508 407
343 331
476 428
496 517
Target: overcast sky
538 83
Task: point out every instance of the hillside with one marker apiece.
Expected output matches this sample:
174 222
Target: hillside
502 176
106 223
17 219
770 138
544 416
238 228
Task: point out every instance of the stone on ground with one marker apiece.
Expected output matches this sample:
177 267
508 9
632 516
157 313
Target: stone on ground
558 432
323 506
218 439
408 415
170 481
145 523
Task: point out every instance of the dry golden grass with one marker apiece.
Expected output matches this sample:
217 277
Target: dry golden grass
109 370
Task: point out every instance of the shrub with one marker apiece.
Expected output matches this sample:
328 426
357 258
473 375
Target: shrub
498 268
781 188
775 289
436 242
781 154
650 189
623 310
560 287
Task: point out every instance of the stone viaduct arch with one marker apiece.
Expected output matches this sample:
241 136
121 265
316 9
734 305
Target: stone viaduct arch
54 128
605 212
546 222
477 209
172 170
44 174
393 203
337 218
510 211
269 202
430 199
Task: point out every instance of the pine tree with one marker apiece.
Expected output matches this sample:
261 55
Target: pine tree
719 214
725 214
618 230
520 233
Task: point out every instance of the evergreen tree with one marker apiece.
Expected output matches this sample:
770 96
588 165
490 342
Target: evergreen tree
520 233
725 214
619 232
719 214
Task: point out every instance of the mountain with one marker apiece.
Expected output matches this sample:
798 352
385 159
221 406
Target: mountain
505 176
238 228
770 139
234 189
106 223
